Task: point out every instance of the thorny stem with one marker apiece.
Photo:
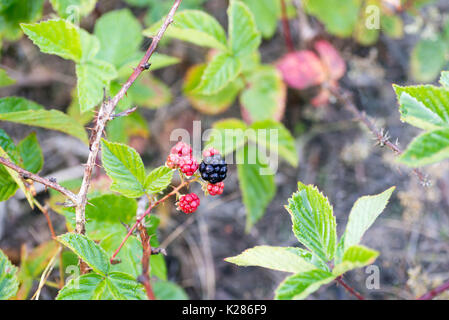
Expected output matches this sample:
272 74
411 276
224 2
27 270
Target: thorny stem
349 288
145 276
346 99
105 114
286 27
147 212
435 292
46 182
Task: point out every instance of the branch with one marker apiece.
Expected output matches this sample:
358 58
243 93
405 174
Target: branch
46 182
145 276
346 99
349 288
286 27
435 292
106 113
147 212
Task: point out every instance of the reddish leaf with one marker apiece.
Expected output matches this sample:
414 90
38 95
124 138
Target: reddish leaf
331 59
302 69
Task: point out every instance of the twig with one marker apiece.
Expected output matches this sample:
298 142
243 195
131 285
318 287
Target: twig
346 99
435 292
145 276
349 288
147 212
44 210
105 114
286 28
47 182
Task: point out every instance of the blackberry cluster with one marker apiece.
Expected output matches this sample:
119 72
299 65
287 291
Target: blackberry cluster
213 168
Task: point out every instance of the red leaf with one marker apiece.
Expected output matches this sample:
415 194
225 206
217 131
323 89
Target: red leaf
331 59
302 69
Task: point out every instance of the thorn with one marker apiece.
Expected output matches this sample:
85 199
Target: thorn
158 250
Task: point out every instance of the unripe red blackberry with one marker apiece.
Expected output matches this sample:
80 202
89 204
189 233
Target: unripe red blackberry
182 149
213 169
188 203
210 152
215 189
172 161
188 166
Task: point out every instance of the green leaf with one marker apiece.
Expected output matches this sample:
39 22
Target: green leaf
426 107
300 285
222 70
209 104
167 290
31 153
130 254
123 129
8 186
265 94
355 257
428 59
120 36
392 26
244 37
5 79
125 167
427 148
73 8
20 110
227 135
313 221
87 250
58 37
444 80
15 12
105 215
8 278
93 77
116 286
276 258
266 14
90 45
275 137
363 214
194 26
158 179
256 183
341 20
9 151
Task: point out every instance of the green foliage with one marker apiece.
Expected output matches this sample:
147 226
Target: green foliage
313 221
428 58
87 250
167 290
266 14
314 226
73 8
125 167
31 153
11 180
5 79
425 107
23 111
244 37
8 278
158 179
256 183
341 20
114 286
14 12
58 37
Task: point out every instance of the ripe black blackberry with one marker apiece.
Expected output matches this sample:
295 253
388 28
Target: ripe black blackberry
213 169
